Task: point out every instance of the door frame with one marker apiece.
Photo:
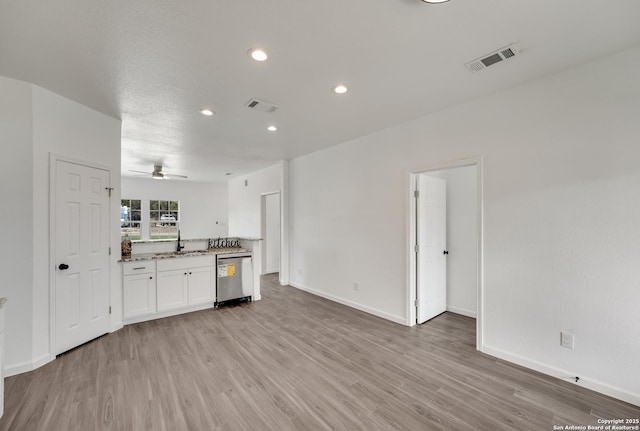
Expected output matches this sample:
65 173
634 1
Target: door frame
263 226
53 160
412 235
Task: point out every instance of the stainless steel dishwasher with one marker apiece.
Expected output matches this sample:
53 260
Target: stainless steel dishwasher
235 277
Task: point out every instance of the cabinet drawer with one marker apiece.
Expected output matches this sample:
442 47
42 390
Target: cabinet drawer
131 268
186 262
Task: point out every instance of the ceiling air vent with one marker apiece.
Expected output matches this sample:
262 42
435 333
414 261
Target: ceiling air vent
485 61
261 105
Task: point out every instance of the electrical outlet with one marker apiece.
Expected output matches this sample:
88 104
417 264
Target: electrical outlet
355 286
567 340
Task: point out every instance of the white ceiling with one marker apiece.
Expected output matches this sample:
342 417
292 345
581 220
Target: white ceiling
156 63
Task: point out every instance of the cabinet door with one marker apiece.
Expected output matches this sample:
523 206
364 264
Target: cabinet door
139 295
202 283
172 289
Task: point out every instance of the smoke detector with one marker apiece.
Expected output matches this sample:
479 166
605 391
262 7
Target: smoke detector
262 106
502 54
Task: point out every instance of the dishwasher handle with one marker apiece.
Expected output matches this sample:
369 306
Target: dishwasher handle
234 256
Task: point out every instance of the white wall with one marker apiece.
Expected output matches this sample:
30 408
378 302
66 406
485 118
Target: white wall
561 208
245 206
66 128
245 200
462 204
60 126
16 191
203 206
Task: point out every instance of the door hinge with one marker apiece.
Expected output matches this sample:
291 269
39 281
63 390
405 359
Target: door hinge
109 309
416 193
109 189
416 248
109 251
416 303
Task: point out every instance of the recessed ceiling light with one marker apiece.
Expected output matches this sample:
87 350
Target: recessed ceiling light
340 89
207 112
272 128
435 1
258 54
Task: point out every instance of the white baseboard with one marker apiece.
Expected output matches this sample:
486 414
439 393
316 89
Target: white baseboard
462 311
169 313
375 312
565 375
25 367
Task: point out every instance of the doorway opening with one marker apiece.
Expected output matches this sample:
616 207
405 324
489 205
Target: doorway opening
445 242
270 228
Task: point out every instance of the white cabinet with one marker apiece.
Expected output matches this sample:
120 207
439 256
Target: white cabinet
201 286
139 295
172 289
186 281
165 287
139 289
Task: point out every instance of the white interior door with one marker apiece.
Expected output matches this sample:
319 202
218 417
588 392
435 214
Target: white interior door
81 254
431 235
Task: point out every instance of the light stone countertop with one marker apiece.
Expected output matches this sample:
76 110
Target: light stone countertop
156 241
175 255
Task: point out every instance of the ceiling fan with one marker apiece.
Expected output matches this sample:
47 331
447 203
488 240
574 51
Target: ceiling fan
158 174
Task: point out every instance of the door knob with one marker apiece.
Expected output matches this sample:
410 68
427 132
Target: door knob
63 266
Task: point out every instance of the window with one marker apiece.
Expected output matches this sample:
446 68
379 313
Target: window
130 217
164 219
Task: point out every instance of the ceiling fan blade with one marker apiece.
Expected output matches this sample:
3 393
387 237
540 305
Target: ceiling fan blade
159 174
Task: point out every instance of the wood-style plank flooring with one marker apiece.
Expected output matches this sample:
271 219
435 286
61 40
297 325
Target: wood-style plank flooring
293 361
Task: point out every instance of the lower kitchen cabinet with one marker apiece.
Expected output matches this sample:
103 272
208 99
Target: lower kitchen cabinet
172 289
139 289
166 287
185 282
202 285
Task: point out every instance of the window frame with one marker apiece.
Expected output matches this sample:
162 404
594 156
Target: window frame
130 222
157 209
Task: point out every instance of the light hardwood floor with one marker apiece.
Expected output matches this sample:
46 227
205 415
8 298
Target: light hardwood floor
293 361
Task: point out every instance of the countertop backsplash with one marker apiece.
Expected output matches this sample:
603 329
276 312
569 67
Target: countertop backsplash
167 245
170 245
